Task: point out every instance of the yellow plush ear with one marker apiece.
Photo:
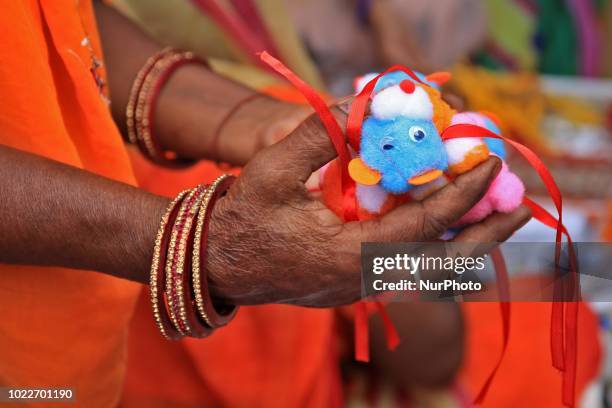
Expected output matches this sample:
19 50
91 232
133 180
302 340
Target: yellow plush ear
362 174
439 78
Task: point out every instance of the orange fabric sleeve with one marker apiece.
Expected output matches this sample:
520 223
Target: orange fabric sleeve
60 327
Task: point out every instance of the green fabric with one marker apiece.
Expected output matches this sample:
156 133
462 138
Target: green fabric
558 40
486 60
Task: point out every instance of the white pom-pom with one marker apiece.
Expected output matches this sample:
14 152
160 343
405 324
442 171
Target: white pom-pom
393 101
457 149
371 198
362 81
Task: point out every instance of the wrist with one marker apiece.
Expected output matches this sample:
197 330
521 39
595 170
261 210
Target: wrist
237 137
201 115
260 122
224 287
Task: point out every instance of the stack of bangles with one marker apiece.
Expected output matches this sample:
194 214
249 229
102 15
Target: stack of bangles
182 305
142 101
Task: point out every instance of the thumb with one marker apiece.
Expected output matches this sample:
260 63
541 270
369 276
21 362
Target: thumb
304 151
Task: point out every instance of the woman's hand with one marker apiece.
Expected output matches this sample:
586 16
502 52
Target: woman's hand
257 124
199 114
273 242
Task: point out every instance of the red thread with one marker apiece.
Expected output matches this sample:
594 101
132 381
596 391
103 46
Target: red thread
214 144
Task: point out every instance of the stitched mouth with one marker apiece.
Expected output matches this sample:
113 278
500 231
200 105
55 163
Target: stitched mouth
425 177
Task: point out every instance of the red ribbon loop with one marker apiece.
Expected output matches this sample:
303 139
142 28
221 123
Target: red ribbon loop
566 359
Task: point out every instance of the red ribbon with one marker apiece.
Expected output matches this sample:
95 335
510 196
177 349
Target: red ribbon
362 340
503 285
391 333
564 360
562 324
320 106
559 330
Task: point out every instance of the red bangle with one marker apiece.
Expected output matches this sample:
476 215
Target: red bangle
171 265
143 98
162 156
135 91
179 288
213 316
157 280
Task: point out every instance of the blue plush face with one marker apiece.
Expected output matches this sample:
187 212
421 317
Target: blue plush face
400 149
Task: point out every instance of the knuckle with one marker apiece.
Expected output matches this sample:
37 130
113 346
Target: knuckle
433 224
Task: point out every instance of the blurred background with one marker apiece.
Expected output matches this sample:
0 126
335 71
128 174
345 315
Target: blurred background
543 68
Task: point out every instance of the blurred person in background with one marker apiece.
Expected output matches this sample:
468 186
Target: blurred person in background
348 38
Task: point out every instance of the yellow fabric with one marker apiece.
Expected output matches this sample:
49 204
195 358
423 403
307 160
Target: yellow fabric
181 24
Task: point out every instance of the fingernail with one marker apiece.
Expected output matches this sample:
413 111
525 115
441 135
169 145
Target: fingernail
521 216
498 165
525 214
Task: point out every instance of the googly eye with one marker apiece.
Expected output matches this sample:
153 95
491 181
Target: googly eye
416 133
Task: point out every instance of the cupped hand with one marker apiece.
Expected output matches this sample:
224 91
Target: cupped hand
271 241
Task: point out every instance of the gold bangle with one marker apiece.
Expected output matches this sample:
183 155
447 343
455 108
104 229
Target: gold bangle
170 263
155 271
192 205
204 213
135 91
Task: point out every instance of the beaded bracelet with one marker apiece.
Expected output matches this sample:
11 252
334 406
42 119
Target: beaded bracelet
157 280
212 316
176 291
198 327
174 252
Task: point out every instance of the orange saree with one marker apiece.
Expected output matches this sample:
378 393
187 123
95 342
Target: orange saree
59 327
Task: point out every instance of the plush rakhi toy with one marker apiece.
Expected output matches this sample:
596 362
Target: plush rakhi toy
405 142
401 155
